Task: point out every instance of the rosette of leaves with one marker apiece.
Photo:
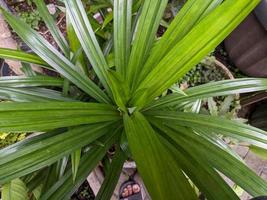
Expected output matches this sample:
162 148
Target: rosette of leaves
81 118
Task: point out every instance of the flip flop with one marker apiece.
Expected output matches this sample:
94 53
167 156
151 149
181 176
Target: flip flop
260 198
136 196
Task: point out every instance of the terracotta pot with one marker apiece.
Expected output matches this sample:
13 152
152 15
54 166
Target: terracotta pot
247 45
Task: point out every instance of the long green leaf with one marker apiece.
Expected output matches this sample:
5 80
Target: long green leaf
44 116
75 46
145 34
64 188
262 153
31 95
85 33
22 56
15 190
75 162
199 42
162 177
195 166
219 157
122 34
50 23
120 89
54 58
21 81
219 88
228 163
112 177
229 128
190 14
26 68
43 150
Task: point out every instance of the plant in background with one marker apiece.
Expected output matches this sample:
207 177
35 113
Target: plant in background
122 106
10 138
32 18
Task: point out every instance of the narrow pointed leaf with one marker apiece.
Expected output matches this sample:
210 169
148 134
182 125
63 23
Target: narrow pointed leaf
75 47
203 38
120 89
85 33
190 14
229 128
50 23
31 94
35 153
108 186
27 69
220 158
262 153
75 161
64 188
214 187
21 81
44 116
154 163
122 34
48 53
219 88
145 34
12 54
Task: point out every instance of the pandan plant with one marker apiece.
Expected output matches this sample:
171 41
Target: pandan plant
94 106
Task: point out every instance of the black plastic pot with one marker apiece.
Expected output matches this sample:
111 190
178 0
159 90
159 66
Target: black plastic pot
247 44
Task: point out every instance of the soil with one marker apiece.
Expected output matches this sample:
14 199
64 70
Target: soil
83 193
18 7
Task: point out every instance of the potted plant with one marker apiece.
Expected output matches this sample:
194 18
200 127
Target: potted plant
123 107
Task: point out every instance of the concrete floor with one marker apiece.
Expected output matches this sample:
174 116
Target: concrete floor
6 41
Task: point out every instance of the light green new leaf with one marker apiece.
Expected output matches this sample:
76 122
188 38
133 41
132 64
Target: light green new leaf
190 14
14 190
75 162
144 36
203 38
161 175
87 38
54 58
120 89
122 34
45 116
75 47
52 27
40 151
37 192
262 153
219 88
